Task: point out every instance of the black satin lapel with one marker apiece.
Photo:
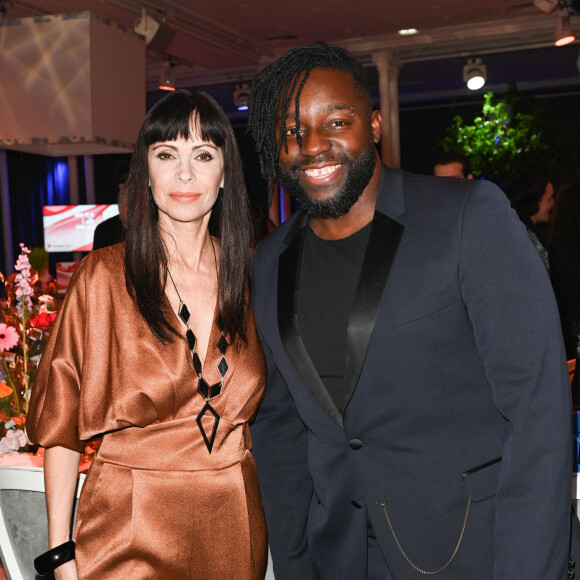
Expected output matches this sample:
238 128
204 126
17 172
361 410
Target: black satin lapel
383 242
288 280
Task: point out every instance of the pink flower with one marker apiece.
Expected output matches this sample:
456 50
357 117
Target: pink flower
24 290
8 337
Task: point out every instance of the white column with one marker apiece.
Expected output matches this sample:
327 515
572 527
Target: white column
90 178
388 69
6 222
394 116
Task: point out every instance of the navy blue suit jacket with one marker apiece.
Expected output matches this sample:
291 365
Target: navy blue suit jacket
458 421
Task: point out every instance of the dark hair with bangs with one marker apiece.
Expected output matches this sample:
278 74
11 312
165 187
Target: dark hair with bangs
145 254
275 85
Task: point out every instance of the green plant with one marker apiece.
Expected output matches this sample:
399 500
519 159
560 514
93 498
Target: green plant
499 143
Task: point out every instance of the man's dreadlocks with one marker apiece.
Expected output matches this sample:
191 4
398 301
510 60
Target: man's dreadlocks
277 82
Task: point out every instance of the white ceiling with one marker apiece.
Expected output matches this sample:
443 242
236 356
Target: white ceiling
224 41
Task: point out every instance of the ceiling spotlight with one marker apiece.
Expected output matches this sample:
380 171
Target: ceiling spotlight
167 77
158 36
242 96
407 31
474 74
564 34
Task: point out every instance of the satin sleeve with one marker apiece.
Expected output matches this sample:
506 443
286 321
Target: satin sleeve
53 413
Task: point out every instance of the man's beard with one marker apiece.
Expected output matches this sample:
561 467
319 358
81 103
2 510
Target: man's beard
359 173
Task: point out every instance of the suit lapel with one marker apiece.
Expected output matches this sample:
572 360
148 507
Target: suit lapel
383 242
384 239
288 280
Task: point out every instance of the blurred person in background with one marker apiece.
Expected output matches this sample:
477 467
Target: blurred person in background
112 230
564 253
452 165
532 197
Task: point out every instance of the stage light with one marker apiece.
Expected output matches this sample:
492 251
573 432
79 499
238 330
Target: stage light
564 34
407 31
158 36
474 74
167 77
242 96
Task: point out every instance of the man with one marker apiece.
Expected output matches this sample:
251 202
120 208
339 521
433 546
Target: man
417 415
112 230
452 165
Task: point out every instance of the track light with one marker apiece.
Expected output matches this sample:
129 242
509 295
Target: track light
474 74
407 31
167 77
564 34
158 36
242 96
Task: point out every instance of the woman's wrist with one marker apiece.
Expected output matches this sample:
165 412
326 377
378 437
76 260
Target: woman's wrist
55 557
58 541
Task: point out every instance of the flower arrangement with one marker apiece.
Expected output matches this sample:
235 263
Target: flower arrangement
27 313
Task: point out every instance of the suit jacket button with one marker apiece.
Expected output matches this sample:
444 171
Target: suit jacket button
356 444
356 503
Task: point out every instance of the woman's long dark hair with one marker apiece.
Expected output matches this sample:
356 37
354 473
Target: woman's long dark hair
145 255
525 192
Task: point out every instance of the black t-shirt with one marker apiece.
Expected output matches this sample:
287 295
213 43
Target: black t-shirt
329 275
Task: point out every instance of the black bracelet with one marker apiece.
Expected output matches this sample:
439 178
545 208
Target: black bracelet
54 558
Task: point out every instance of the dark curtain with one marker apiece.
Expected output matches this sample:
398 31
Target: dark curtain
36 180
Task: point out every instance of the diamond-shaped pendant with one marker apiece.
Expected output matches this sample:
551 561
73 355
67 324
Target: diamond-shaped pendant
222 344
208 392
196 364
191 340
203 388
184 313
216 389
223 367
208 441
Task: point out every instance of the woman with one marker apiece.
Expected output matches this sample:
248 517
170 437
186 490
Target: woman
532 197
160 358
564 250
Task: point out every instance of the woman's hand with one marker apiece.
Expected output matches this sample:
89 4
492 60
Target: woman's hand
67 571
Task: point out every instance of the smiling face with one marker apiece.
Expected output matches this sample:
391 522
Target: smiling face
185 176
332 166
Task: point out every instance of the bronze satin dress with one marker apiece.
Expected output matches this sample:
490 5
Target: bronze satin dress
155 504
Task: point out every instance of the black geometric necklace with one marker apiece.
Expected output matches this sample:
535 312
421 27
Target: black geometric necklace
207 391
